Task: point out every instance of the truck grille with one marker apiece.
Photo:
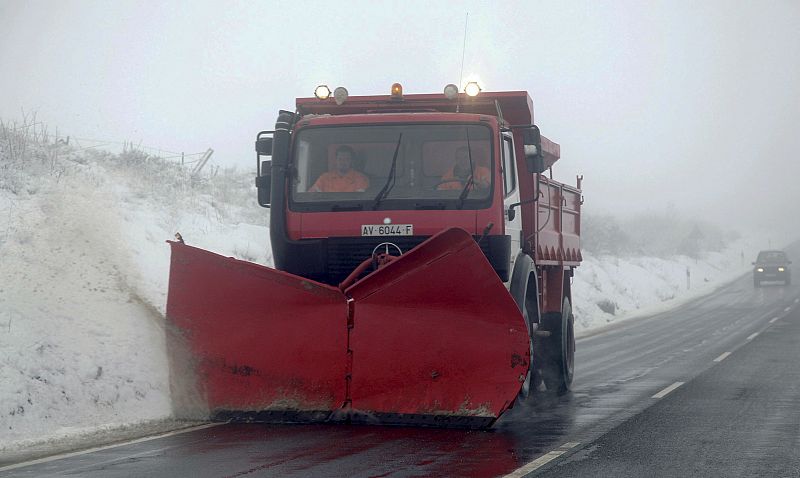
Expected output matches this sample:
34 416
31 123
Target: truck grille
345 254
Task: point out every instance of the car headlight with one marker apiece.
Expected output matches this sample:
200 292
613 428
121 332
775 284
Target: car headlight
760 269
781 269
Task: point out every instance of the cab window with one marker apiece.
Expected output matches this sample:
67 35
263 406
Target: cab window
509 171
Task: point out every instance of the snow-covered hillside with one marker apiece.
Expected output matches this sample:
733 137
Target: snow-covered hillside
83 274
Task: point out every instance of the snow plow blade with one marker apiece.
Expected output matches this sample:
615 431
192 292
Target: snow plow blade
433 338
247 339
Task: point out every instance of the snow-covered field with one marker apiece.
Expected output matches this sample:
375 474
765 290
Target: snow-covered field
83 274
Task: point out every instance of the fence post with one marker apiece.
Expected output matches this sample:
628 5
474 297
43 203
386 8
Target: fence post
688 279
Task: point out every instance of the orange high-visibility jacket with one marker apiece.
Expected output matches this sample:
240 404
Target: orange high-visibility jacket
480 176
333 182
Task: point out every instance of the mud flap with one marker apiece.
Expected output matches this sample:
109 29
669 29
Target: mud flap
436 334
248 339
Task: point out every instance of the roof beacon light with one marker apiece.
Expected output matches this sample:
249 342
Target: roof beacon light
451 91
322 92
472 88
340 95
397 91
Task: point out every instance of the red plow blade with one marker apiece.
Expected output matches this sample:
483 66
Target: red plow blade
431 338
247 338
437 335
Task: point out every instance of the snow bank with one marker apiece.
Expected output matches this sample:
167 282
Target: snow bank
83 274
87 349
609 289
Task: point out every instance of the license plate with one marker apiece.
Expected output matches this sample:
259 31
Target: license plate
387 230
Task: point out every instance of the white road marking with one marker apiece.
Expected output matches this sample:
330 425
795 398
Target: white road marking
107 447
542 460
114 460
787 309
752 336
666 391
722 357
797 301
774 319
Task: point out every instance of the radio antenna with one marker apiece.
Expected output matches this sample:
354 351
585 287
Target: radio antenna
463 54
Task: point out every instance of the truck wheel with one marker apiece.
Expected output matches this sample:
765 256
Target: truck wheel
530 308
559 357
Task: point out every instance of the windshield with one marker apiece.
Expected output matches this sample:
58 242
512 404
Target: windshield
771 256
431 166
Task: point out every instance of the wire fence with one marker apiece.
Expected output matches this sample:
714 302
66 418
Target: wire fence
38 131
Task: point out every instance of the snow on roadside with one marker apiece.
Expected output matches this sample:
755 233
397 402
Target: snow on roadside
83 289
609 289
74 324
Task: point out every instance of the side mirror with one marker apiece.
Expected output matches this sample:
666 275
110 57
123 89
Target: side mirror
264 146
264 181
532 144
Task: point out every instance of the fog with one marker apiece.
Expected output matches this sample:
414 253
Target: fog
686 106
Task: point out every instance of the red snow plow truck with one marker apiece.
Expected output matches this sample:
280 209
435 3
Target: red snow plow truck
423 260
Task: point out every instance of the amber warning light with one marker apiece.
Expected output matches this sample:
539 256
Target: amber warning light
397 91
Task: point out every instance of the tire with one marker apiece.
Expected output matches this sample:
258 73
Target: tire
530 307
558 368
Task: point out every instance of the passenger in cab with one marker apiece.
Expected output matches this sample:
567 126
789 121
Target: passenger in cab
342 178
457 176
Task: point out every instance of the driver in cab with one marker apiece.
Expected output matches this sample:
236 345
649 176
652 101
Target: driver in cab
342 178
457 176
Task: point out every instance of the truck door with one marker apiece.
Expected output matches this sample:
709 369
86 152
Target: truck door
511 194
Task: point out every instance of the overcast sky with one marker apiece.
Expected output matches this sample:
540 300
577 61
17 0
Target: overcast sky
690 105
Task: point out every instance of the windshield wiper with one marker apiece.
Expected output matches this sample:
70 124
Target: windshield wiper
471 181
465 192
390 181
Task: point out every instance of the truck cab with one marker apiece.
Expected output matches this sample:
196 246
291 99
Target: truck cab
430 163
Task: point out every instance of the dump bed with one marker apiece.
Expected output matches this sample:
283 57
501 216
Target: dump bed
558 224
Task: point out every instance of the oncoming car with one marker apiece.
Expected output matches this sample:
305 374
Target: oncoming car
771 266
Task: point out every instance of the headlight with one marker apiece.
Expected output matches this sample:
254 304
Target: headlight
760 269
472 88
340 95
322 92
781 269
451 91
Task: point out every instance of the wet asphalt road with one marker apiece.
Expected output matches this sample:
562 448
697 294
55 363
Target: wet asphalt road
738 416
